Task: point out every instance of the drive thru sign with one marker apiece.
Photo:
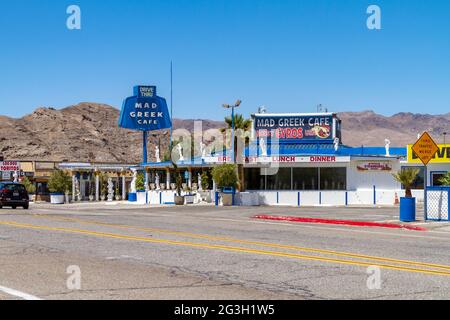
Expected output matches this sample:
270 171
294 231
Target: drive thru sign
425 148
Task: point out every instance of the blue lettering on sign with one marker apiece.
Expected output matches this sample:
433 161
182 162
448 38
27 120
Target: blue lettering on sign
145 111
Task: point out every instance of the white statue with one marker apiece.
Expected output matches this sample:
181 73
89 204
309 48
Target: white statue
157 154
110 190
200 188
16 177
336 144
203 150
157 182
262 144
133 182
180 152
388 146
76 184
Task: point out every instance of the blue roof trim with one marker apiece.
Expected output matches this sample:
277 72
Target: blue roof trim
170 165
327 149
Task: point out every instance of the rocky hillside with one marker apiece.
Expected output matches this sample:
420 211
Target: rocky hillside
369 128
89 131
85 132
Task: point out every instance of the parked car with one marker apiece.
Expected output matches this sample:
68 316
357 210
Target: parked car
13 195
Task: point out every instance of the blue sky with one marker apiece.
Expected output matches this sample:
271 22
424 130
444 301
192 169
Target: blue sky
287 55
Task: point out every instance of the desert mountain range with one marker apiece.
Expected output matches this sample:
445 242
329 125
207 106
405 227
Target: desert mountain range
89 132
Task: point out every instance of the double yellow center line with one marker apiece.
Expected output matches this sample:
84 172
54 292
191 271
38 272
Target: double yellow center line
363 260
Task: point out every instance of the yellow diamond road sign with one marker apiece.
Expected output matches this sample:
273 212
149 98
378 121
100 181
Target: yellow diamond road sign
425 148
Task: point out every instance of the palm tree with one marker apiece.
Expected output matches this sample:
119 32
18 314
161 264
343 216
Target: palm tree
241 126
407 177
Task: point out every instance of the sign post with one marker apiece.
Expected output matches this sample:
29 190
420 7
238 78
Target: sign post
145 111
425 148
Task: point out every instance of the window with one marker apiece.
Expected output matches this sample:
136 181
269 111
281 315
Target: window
435 177
20 188
297 179
333 178
305 178
42 189
254 179
10 187
280 181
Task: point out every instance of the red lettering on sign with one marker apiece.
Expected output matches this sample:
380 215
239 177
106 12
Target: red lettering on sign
289 133
323 159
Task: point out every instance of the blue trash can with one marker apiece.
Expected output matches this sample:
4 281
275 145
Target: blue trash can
132 197
231 191
407 209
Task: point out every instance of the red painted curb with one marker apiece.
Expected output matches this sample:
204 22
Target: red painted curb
341 222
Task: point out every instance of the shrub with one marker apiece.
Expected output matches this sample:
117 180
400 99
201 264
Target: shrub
59 182
103 180
205 180
91 188
445 180
31 188
225 175
407 177
140 182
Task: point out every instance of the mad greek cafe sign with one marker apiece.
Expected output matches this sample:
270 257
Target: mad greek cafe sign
300 128
145 111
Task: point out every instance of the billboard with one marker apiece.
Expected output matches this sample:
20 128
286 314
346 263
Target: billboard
442 156
297 128
145 111
9 166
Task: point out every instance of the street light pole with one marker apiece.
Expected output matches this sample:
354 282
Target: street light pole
227 106
233 135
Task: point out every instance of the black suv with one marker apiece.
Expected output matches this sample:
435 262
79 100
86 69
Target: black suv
13 195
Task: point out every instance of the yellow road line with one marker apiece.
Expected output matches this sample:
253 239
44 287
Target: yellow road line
225 248
257 243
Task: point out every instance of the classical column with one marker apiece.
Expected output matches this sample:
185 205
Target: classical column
190 179
97 186
74 176
147 179
168 179
124 192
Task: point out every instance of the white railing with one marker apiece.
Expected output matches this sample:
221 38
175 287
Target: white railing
374 197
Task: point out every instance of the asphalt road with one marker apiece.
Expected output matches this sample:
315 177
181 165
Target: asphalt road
202 252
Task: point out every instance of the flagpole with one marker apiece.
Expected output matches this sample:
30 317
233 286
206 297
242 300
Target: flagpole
171 101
